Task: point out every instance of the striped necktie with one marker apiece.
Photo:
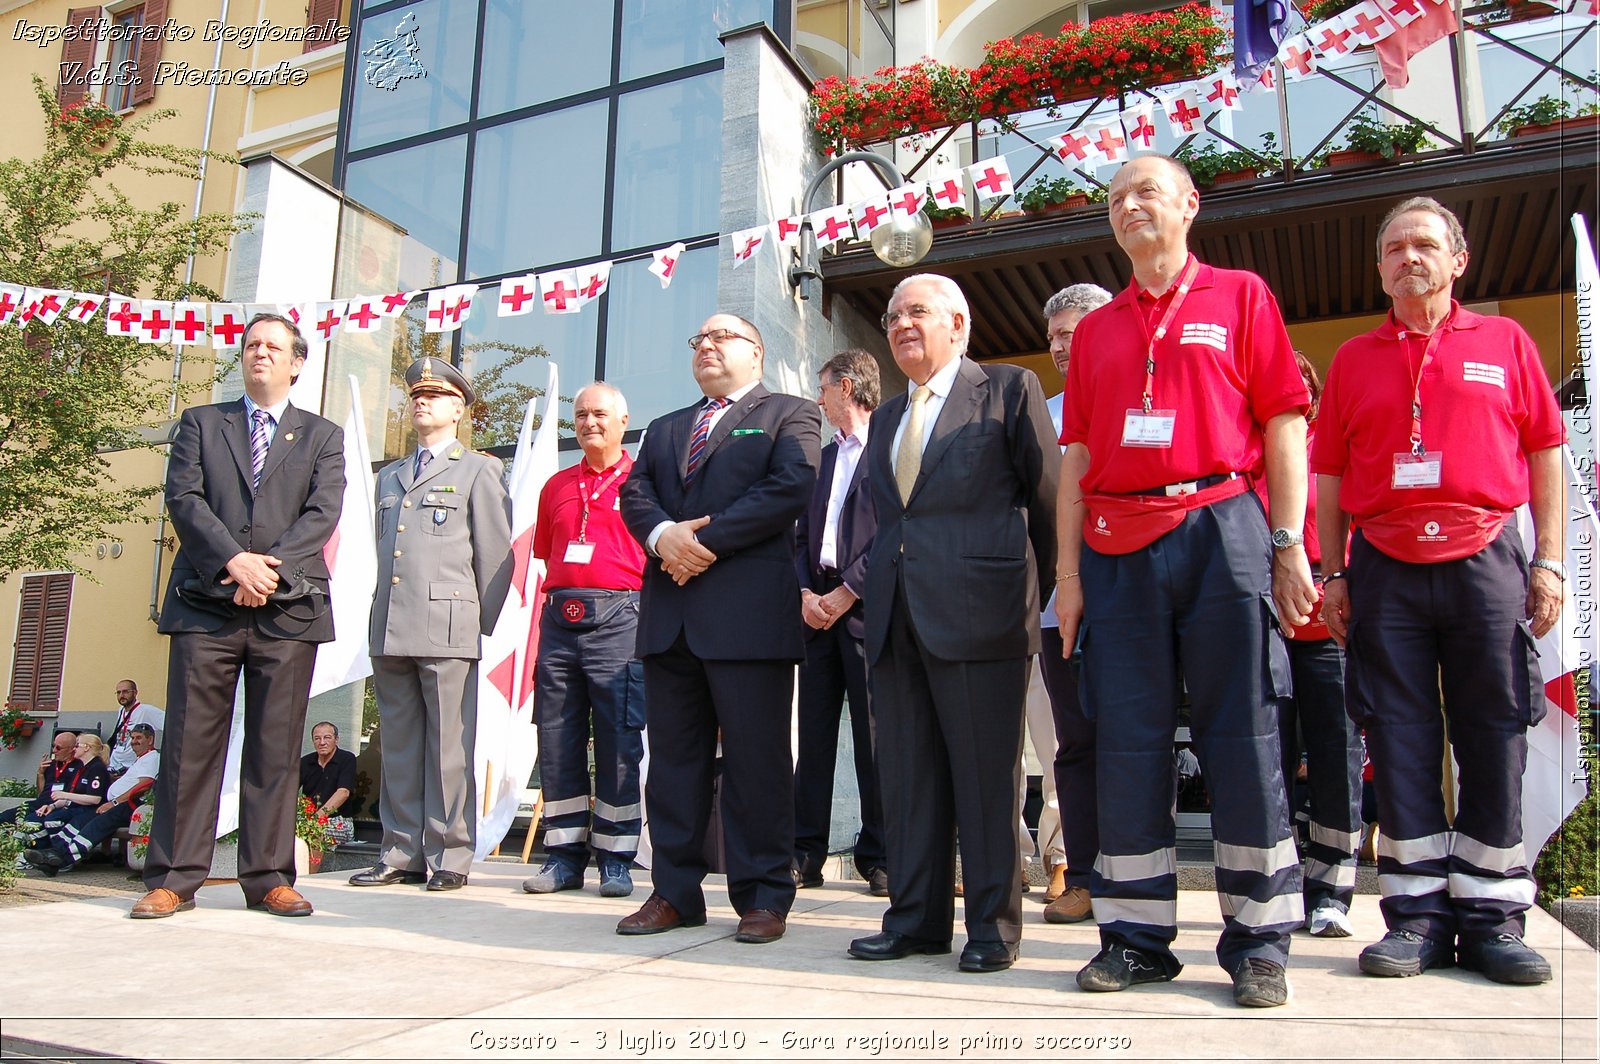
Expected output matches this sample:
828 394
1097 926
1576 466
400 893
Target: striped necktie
259 442
702 432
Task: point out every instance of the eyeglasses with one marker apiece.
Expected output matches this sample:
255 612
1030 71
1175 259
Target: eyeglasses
718 337
916 312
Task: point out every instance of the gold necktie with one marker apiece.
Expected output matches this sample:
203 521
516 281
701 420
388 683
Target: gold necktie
908 459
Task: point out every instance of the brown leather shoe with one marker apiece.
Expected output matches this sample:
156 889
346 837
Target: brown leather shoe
1058 883
760 925
1072 907
283 901
158 903
655 916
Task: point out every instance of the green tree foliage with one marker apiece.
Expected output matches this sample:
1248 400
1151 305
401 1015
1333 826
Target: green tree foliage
70 394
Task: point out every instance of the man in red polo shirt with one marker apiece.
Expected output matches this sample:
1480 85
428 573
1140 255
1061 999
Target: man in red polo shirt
1180 391
1434 427
586 661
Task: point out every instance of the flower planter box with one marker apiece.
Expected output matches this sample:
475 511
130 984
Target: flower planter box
1565 125
1235 177
1354 159
950 223
1071 203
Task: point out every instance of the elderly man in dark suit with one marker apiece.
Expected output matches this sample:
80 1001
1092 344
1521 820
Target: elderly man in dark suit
963 472
254 488
833 536
713 498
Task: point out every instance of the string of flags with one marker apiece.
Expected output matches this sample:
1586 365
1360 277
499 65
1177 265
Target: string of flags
1089 146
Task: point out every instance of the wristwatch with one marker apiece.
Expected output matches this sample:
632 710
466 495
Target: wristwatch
1550 564
1284 538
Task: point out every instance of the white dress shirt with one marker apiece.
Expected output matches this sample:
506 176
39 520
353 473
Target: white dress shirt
733 397
939 384
851 448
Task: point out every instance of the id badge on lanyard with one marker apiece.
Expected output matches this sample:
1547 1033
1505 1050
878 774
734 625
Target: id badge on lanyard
1144 426
580 551
1417 470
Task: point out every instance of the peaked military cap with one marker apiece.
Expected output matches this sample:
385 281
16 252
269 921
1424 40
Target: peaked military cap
435 375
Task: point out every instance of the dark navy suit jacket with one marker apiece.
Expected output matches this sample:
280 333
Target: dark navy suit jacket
858 523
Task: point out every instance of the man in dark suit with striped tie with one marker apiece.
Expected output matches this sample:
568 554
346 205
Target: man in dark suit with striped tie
713 498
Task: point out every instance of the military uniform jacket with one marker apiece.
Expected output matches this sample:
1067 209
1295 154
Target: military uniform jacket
444 555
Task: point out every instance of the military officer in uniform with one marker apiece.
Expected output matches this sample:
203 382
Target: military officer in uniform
444 568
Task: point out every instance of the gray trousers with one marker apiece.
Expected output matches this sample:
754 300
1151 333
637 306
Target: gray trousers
428 711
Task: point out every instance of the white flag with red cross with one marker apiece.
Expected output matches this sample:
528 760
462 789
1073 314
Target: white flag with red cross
85 305
592 281
227 324
49 305
326 320
29 308
188 323
786 230
1222 88
1107 143
352 558
518 296
393 304
1139 126
664 262
1332 37
122 319
870 213
449 307
948 190
363 314
746 242
831 225
507 745
559 291
1296 56
299 313
1073 147
155 321
906 201
1183 112
1366 23
10 302
991 178
1403 12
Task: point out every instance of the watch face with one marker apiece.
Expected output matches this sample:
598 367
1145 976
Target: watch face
1282 538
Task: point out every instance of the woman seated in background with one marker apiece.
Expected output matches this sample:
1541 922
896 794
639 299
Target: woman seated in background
81 786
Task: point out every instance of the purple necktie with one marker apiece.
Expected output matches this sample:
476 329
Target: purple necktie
424 456
259 442
702 432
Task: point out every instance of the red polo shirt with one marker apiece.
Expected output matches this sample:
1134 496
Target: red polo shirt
1226 366
1486 405
618 562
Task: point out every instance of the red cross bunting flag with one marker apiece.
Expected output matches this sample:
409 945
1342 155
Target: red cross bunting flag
10 300
1183 112
155 321
1332 37
518 296
1138 123
448 307
1108 143
1295 55
1072 147
363 314
664 262
1366 23
559 290
326 320
227 325
787 229
948 190
123 317
1403 12
831 224
49 305
1222 89
30 306
745 243
870 213
299 313
990 178
395 303
84 306
592 281
1582 7
907 200
188 323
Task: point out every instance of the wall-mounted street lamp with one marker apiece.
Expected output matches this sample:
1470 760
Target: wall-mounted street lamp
901 241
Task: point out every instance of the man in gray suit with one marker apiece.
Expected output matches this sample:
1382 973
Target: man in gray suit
444 567
963 475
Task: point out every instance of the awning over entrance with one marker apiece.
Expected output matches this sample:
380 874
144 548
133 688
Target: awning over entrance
1312 239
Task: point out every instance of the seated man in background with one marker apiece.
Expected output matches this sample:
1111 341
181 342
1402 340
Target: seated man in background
327 773
74 843
51 767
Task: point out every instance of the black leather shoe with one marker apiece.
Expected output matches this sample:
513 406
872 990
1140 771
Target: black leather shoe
381 875
805 880
443 880
987 956
891 946
878 883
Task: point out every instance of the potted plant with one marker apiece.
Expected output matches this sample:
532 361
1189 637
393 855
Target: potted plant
1369 139
143 819
310 835
1210 165
946 217
1545 115
1050 195
16 725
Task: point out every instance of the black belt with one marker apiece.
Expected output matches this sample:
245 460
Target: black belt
1189 487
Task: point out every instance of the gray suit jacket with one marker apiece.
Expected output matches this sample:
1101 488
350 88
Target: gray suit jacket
977 538
444 556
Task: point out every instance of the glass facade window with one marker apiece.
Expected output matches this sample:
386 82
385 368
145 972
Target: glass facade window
537 52
669 162
533 202
660 35
508 357
647 354
437 36
419 190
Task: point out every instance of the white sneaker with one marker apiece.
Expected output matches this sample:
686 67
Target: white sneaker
1328 921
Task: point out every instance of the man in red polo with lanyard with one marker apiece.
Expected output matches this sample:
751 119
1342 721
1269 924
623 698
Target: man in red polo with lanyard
1434 427
586 661
1179 392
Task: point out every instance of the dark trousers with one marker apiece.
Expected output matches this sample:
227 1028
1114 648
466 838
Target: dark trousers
1077 792
1458 626
750 703
584 674
836 664
81 836
202 677
1315 720
949 757
1196 599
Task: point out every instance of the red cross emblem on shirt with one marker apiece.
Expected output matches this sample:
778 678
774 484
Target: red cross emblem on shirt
191 325
393 304
1296 59
155 324
1223 93
993 181
1184 115
8 303
871 214
126 317
1143 131
1367 26
1075 145
949 192
558 294
228 328
911 203
831 230
1109 143
512 297
787 227
364 315
330 321
1334 40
